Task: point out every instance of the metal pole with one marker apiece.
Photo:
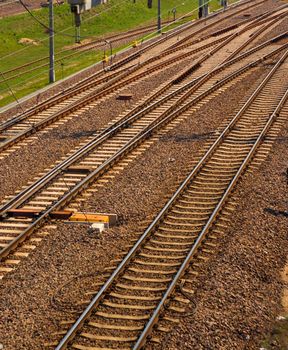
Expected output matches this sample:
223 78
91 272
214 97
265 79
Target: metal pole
159 16
200 9
224 3
205 8
77 34
77 27
174 13
51 43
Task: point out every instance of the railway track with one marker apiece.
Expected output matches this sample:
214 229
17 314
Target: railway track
122 62
182 28
88 46
116 40
150 288
89 84
268 23
20 127
51 101
56 188
123 311
186 38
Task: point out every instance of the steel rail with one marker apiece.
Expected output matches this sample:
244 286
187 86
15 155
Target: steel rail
148 328
131 117
118 36
197 22
113 85
255 23
91 178
115 78
187 27
272 21
133 143
227 29
131 57
154 319
51 101
104 135
95 301
70 92
135 55
218 21
100 92
58 98
79 86
21 197
99 41
75 51
264 15
84 85
128 59
204 19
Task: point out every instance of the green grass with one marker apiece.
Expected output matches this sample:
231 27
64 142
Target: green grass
278 338
117 16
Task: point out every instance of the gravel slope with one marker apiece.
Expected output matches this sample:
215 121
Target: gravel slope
70 250
51 146
240 294
268 5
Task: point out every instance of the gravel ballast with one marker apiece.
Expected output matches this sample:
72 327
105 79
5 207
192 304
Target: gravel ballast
240 294
59 87
31 159
70 251
56 143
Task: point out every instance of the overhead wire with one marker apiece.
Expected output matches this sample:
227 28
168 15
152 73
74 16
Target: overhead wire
100 39
168 25
32 125
63 30
60 62
41 23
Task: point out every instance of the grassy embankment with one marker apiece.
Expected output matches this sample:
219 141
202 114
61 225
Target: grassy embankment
117 16
278 338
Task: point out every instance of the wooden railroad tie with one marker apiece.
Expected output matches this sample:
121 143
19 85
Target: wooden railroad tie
124 97
78 170
23 213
